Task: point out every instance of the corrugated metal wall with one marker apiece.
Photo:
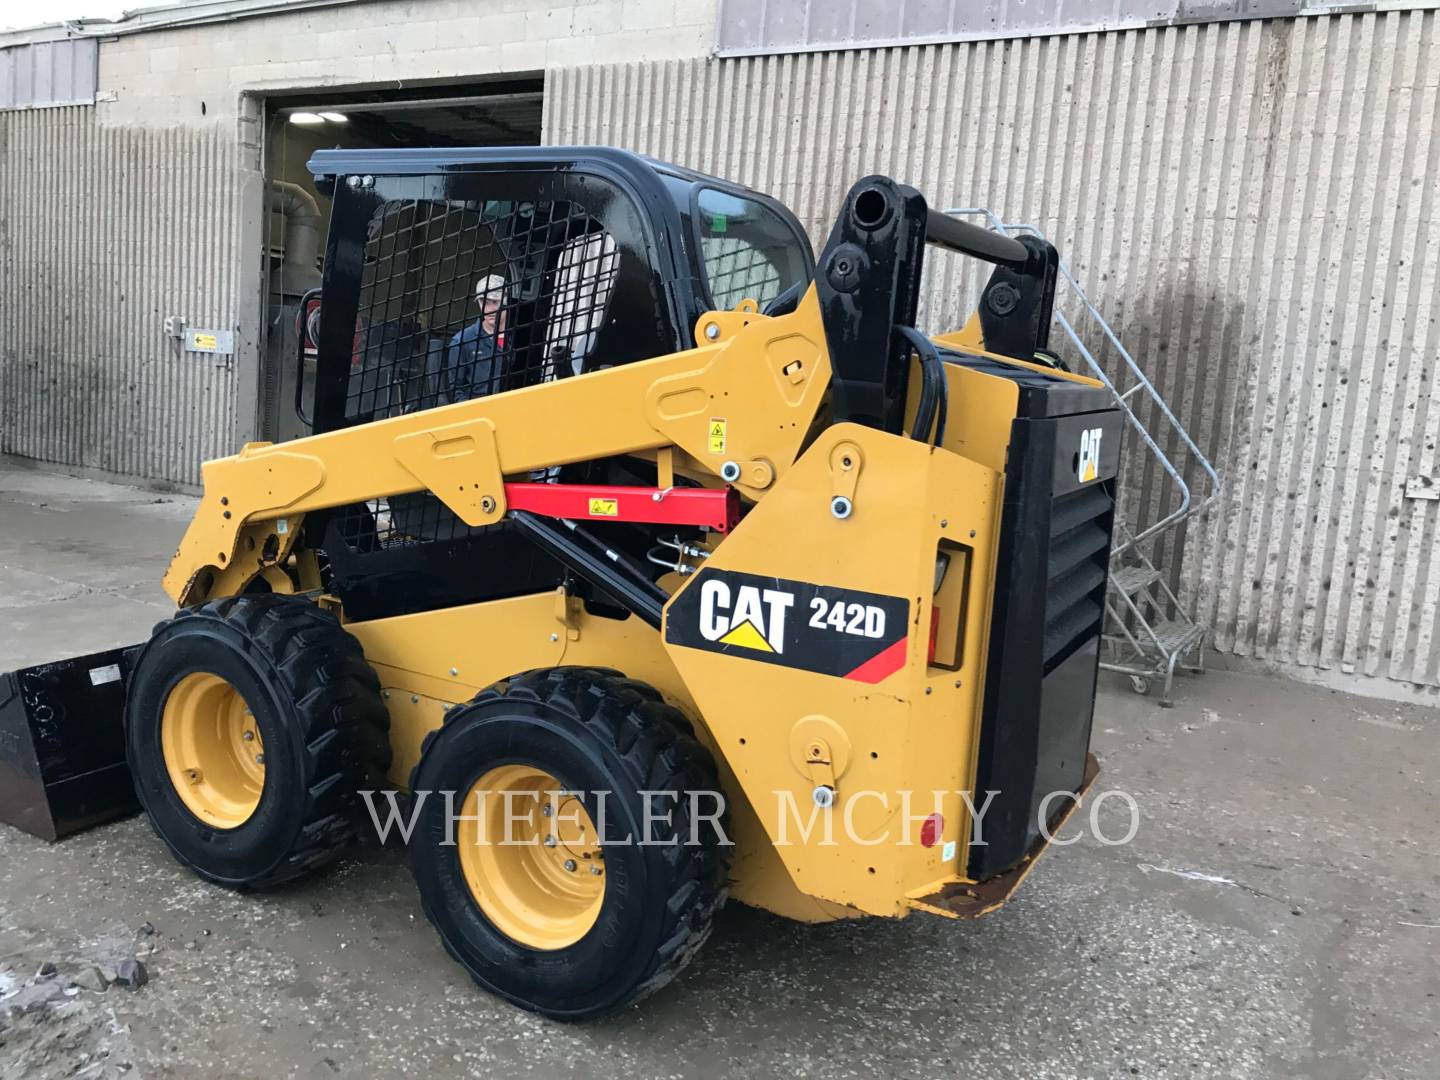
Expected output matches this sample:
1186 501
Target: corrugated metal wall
1253 205
103 233
49 73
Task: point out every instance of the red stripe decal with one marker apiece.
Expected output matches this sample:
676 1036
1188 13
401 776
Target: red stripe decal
882 664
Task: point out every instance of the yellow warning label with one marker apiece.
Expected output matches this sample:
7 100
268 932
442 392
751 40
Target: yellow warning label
718 424
203 342
604 508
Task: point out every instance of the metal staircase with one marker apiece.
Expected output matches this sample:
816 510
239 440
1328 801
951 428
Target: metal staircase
1149 634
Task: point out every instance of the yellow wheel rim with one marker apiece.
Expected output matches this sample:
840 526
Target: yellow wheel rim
537 873
213 750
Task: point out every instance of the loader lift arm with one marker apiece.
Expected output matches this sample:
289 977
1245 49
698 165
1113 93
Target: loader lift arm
773 371
765 377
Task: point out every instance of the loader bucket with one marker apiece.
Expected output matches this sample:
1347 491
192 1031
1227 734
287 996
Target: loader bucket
62 744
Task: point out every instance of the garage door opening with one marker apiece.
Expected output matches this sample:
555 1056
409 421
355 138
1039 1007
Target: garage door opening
298 215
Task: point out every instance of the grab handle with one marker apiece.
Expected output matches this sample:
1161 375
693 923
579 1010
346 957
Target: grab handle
968 239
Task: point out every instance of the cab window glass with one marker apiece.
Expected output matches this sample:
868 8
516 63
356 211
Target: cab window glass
748 250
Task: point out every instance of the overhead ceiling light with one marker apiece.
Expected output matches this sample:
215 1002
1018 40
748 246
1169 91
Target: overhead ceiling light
336 117
306 118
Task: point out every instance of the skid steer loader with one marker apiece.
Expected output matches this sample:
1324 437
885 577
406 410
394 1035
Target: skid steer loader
652 561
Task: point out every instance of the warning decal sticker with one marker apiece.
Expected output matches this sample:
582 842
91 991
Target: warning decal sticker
840 632
604 508
716 433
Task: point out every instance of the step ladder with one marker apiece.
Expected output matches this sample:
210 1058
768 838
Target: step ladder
1148 633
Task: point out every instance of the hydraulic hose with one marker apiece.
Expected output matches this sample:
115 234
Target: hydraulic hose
934 394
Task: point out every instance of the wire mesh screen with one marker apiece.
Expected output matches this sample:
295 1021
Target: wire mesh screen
459 300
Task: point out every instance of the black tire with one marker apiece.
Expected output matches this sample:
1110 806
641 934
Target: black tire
594 730
317 706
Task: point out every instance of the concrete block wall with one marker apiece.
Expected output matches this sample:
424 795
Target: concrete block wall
194 76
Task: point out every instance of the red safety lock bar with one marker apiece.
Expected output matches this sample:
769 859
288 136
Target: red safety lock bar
711 508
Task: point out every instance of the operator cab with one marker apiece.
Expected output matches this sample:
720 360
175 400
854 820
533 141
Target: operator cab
451 274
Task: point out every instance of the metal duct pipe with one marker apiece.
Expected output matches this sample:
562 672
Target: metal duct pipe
298 272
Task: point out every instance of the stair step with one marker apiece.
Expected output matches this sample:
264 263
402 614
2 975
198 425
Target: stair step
1132 579
1176 636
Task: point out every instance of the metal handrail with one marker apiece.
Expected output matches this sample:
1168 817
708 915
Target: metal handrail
1185 507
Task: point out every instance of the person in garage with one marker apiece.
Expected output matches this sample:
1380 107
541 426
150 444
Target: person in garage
473 355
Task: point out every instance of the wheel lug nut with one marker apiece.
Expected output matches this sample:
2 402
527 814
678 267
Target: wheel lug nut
570 865
249 736
595 871
547 810
549 841
259 759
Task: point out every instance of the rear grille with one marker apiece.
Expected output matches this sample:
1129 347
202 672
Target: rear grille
1076 568
1051 564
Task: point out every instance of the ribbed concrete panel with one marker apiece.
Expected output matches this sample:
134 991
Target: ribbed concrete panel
103 233
1253 205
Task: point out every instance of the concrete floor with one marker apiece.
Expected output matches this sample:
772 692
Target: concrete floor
1278 914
